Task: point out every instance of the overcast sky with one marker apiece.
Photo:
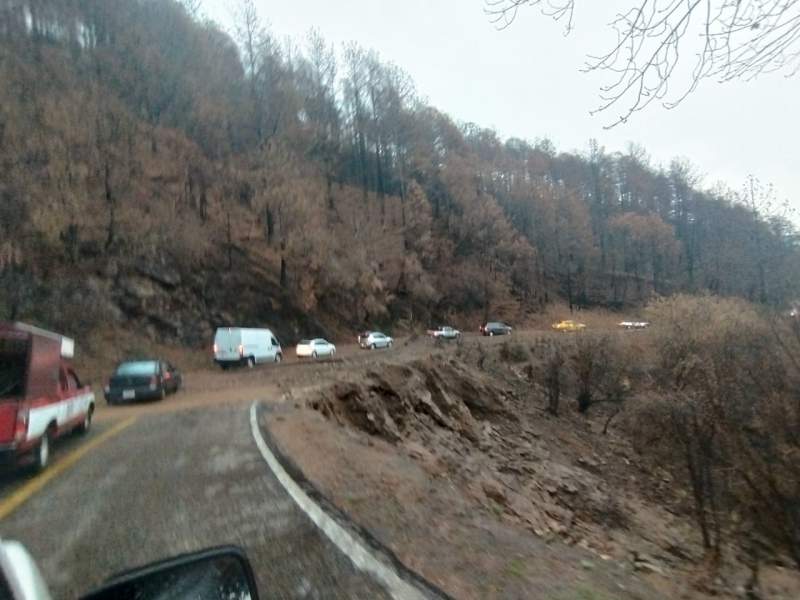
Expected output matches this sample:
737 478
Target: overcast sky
525 81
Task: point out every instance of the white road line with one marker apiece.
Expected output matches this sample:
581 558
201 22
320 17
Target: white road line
349 545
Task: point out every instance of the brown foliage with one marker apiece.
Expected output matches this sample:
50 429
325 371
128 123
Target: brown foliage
131 130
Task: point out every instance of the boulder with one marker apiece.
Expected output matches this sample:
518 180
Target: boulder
160 273
138 287
494 491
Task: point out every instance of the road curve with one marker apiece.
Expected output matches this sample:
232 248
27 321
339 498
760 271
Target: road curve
173 483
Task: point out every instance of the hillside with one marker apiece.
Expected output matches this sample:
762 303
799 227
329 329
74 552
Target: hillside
162 175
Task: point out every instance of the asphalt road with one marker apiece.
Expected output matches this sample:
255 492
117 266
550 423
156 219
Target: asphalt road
186 475
173 483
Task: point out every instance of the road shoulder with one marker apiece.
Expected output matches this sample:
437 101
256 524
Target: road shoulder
358 543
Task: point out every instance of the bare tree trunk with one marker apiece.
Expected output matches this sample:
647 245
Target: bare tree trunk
609 419
284 274
270 224
230 243
111 228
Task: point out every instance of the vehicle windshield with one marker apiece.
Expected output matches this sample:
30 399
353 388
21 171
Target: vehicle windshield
141 367
305 342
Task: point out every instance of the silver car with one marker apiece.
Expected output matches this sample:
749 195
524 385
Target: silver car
374 339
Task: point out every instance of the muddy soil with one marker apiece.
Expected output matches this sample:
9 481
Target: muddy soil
459 470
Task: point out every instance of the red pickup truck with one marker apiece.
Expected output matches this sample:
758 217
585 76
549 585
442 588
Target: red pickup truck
41 397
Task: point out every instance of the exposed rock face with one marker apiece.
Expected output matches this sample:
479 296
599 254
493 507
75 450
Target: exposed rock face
154 296
420 400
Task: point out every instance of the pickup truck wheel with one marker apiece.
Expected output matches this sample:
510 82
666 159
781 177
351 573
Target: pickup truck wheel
250 362
87 421
42 456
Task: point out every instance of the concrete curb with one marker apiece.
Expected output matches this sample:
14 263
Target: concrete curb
366 552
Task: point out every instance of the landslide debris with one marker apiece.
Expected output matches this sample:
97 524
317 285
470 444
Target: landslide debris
481 431
416 400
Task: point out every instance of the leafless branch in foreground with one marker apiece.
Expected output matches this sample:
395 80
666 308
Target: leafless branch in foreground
728 39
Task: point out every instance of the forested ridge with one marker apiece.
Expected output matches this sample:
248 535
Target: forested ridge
181 174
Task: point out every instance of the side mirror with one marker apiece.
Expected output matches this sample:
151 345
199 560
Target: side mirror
22 578
209 574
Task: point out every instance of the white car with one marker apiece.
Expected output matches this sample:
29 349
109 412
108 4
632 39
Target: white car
444 332
634 324
374 339
315 348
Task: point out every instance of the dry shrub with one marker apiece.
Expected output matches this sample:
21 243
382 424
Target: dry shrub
600 370
728 420
548 365
594 369
513 352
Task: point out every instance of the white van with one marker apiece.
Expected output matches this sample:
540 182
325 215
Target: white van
241 346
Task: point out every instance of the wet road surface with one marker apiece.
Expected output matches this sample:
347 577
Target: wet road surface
173 483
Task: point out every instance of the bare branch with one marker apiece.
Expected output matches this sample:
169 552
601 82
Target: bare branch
729 39
503 12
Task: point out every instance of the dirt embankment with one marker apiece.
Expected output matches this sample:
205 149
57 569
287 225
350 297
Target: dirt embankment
459 470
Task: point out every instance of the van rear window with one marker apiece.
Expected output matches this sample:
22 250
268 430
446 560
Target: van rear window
13 367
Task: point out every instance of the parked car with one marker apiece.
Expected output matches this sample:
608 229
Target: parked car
245 346
145 379
634 324
41 397
569 325
374 339
315 348
444 332
495 328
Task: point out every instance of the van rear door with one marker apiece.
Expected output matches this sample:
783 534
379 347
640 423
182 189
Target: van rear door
226 343
14 353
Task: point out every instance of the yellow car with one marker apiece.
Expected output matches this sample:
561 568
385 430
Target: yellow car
568 325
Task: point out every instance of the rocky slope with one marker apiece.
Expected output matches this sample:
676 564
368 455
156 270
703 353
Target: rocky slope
440 453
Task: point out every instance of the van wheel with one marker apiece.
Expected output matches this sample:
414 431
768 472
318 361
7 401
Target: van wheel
251 362
42 458
278 357
87 421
